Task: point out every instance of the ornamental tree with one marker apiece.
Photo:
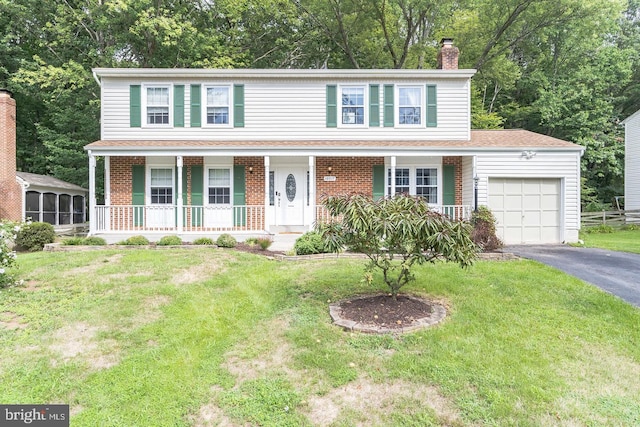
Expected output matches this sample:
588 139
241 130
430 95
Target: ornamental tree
395 234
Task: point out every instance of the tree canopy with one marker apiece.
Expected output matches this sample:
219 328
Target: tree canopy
566 68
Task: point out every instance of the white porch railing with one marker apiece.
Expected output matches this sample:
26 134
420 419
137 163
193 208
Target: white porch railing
203 219
196 219
454 212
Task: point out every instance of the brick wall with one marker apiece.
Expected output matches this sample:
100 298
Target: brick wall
353 175
254 180
448 54
121 179
457 163
10 191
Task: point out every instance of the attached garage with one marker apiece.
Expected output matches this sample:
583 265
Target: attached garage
527 210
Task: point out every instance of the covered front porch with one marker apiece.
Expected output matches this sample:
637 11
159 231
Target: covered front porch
152 193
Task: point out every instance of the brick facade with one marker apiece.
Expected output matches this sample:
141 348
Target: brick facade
353 175
10 190
448 54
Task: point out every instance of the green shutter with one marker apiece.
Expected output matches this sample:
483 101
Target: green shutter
449 188
374 105
196 112
239 214
378 182
137 194
135 106
197 183
238 106
178 106
332 106
432 110
388 106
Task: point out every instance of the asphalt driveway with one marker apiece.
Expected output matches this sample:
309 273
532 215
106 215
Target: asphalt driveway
615 272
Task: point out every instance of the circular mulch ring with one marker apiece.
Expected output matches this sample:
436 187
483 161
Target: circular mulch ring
380 313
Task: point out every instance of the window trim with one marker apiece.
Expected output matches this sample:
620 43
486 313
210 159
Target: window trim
365 106
151 164
413 179
145 105
205 105
208 187
423 105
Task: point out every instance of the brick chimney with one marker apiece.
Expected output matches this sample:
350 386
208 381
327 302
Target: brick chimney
448 55
10 191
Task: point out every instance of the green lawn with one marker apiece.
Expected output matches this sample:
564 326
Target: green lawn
215 337
619 240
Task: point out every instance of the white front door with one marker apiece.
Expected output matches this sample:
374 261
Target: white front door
290 195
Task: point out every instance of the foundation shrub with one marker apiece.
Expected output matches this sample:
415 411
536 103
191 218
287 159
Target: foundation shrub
310 243
135 241
170 241
484 230
203 241
226 241
32 237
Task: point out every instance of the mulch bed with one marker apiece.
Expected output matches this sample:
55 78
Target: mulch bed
384 311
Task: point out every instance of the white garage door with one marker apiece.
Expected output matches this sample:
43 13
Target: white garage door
527 210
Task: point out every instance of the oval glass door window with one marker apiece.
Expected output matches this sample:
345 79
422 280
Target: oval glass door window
291 187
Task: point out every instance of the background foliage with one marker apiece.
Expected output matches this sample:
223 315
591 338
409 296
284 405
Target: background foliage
566 68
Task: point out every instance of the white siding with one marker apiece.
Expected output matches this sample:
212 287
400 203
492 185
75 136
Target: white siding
467 181
285 109
632 163
562 165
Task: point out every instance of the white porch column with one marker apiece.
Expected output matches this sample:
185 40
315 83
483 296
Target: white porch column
267 206
179 202
312 190
107 180
393 176
92 194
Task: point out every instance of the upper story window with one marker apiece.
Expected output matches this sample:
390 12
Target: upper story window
157 103
218 108
353 105
410 101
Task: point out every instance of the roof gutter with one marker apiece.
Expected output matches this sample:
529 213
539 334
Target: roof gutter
95 77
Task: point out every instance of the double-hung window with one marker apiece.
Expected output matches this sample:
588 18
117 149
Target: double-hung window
157 105
402 181
410 101
218 100
161 186
352 105
427 184
417 181
220 186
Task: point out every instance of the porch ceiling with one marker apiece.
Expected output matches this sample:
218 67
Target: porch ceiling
481 140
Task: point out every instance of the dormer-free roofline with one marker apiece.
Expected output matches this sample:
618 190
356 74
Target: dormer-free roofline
274 74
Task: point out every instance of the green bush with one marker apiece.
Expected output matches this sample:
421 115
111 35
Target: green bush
34 236
170 241
264 243
251 241
484 229
599 229
203 241
135 241
310 243
73 241
94 241
631 227
226 241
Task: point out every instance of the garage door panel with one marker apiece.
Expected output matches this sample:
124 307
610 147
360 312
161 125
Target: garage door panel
527 210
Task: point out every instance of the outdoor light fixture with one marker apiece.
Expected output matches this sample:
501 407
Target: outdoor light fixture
250 169
329 169
476 179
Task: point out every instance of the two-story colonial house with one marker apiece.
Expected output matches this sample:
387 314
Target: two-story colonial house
245 151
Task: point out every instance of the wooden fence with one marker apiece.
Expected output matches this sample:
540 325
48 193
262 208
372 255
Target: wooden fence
612 218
